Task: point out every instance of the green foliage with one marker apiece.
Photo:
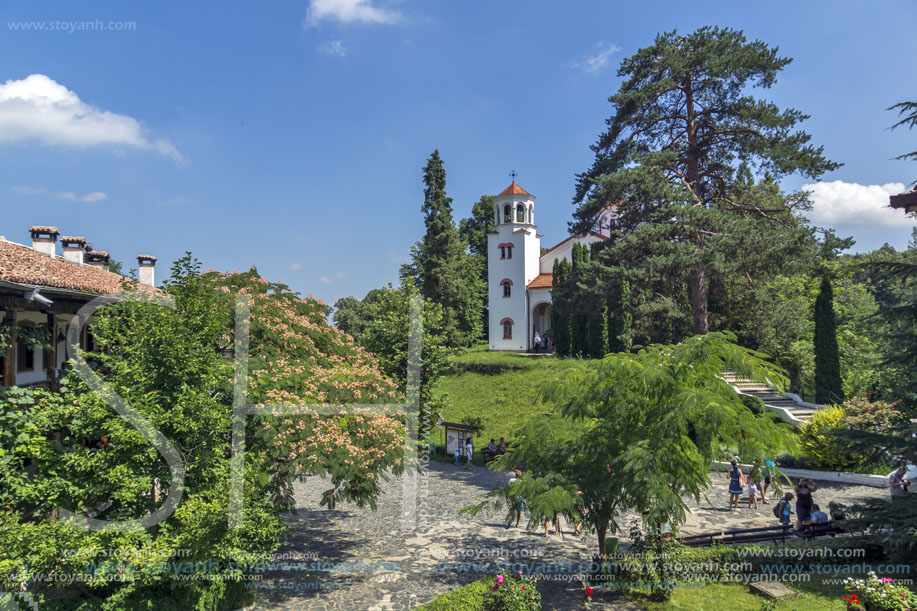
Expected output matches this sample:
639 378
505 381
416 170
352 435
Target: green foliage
828 385
473 231
514 593
502 389
471 597
643 429
446 274
879 593
69 449
561 317
755 404
907 116
695 161
820 446
386 337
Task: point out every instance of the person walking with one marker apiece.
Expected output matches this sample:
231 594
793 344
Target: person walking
517 502
735 486
469 452
783 511
758 474
804 489
769 466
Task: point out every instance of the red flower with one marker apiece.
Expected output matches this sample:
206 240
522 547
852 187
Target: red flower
588 591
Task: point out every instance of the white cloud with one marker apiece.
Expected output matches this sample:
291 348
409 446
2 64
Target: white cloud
27 190
594 63
294 266
348 11
333 47
326 280
95 196
37 108
340 275
840 205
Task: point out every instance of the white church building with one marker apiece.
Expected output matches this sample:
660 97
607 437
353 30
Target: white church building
519 274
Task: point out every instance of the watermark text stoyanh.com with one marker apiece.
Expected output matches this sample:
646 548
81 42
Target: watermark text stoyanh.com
92 25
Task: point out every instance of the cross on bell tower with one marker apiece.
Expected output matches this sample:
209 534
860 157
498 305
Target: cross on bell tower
514 175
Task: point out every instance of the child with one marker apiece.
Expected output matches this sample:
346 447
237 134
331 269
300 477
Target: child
457 454
752 492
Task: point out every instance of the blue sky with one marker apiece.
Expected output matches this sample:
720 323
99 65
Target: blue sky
291 135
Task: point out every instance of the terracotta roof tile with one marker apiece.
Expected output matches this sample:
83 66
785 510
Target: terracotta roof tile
20 263
514 189
541 281
44 229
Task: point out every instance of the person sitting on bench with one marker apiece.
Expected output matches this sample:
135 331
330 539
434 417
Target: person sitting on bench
491 450
818 516
501 448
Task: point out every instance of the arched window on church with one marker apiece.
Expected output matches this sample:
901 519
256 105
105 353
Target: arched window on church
507 214
506 251
507 328
507 285
520 213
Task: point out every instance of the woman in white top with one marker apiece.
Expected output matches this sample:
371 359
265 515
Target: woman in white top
469 452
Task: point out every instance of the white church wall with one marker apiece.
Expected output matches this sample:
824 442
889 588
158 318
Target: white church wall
564 251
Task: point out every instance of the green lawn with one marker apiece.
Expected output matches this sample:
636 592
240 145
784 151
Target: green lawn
500 388
737 597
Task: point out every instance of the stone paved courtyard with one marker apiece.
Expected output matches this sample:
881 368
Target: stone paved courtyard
372 560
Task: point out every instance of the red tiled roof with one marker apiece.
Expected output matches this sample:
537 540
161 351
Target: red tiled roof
541 281
514 189
20 263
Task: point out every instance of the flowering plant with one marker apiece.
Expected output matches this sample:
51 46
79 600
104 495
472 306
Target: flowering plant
588 596
514 593
877 593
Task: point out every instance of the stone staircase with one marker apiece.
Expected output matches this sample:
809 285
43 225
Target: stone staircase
792 411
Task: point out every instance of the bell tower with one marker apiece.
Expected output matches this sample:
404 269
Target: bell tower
513 248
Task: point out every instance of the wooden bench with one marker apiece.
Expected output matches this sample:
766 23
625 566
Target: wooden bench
820 529
740 535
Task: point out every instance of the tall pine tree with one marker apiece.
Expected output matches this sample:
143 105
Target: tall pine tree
441 267
684 122
828 385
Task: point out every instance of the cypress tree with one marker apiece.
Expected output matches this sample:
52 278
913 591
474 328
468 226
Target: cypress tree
579 320
560 316
441 267
827 355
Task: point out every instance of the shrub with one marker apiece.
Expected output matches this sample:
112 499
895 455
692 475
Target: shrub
824 450
877 593
755 404
514 593
865 415
472 597
504 592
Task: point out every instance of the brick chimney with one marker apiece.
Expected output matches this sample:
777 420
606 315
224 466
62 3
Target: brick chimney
147 265
97 258
44 239
73 248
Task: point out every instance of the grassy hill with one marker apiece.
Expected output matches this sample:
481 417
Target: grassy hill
500 388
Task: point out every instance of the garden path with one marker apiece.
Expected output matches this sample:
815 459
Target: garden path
365 561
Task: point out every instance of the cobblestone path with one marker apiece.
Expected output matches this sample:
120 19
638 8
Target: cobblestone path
363 560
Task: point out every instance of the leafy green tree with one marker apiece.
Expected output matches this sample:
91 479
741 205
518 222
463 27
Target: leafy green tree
446 273
170 365
386 337
473 231
828 384
684 130
644 428
352 315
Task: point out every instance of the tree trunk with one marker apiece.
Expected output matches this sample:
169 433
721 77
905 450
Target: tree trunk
698 287
600 532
